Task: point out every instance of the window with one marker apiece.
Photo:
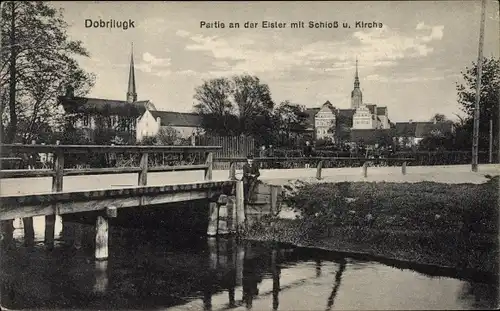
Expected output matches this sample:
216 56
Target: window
86 121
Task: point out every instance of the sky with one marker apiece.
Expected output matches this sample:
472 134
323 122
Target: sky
411 65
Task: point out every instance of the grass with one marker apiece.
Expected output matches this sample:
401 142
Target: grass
430 223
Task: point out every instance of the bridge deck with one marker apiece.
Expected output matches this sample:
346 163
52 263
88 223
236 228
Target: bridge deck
447 174
67 202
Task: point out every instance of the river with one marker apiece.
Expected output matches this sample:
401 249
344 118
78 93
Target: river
158 270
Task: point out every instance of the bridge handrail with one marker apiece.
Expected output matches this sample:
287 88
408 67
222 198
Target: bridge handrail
35 148
58 171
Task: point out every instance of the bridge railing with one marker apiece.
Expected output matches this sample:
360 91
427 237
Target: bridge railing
62 165
319 162
63 160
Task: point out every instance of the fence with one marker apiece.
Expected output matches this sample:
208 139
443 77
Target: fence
420 157
232 147
445 157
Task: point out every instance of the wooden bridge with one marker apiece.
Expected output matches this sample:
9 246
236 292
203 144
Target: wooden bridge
224 196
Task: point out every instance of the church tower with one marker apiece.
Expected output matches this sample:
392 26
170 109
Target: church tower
131 92
356 95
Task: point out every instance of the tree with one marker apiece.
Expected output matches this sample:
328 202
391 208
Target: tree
167 135
290 120
37 63
213 97
240 105
490 84
438 117
253 105
215 107
341 129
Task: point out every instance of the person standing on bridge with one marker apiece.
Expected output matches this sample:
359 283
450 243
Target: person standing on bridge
250 177
307 152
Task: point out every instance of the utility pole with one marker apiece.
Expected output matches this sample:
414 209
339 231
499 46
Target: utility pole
475 138
498 124
491 141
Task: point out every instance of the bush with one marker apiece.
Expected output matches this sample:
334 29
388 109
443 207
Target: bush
418 207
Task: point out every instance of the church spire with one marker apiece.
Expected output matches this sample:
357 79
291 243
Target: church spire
131 92
356 77
356 95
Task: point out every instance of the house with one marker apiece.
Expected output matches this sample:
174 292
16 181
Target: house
372 137
92 114
151 122
411 133
324 120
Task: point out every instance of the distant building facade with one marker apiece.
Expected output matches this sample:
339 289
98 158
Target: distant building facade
359 116
410 133
151 122
92 114
136 118
324 122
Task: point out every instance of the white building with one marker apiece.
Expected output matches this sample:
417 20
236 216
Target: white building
367 116
324 121
151 122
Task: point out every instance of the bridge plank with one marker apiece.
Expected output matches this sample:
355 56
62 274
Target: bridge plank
44 209
17 206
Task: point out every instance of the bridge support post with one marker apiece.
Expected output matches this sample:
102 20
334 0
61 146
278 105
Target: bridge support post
274 198
57 186
102 233
318 169
101 238
240 206
213 219
29 231
403 168
222 220
365 169
209 162
232 171
143 174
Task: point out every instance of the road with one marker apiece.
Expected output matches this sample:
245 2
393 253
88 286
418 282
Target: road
444 174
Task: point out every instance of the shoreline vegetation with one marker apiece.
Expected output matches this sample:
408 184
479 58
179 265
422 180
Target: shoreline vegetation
451 227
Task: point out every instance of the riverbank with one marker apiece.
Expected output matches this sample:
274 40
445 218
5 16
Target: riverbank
445 225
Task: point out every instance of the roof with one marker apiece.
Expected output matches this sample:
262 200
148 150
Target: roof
427 128
381 111
104 106
406 129
371 107
421 129
327 106
171 118
370 136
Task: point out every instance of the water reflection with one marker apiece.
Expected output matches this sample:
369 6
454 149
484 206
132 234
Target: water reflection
338 279
158 270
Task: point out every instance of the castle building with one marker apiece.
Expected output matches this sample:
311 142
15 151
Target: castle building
367 116
359 116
